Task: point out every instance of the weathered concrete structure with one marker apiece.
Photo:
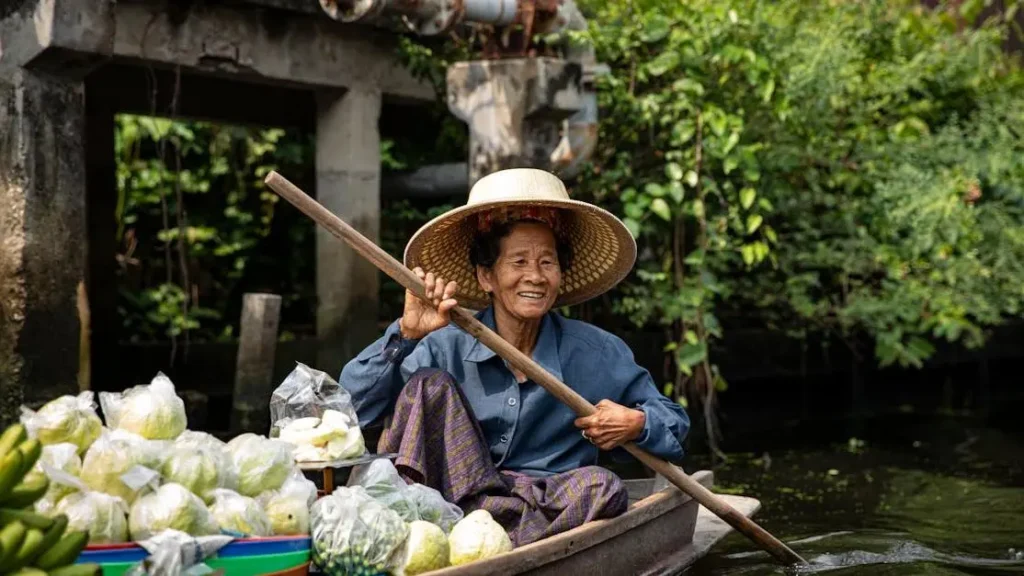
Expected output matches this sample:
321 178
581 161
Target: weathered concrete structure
66 67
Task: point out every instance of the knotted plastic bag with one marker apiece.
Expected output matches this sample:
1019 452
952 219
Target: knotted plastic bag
103 516
382 481
65 419
172 506
62 457
288 507
261 464
308 393
200 463
113 455
153 411
239 515
353 533
175 553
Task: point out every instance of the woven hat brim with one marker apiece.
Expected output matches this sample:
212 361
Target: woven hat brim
604 251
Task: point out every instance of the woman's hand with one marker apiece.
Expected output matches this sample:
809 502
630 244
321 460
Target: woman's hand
423 317
612 425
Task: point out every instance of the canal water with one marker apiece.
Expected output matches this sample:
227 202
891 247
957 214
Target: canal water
944 497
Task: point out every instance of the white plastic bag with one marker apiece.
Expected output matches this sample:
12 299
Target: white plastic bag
239 515
308 392
200 463
288 507
260 463
172 506
355 534
175 553
153 411
62 457
114 454
65 419
103 516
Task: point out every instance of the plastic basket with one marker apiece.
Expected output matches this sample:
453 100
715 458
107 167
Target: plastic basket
289 563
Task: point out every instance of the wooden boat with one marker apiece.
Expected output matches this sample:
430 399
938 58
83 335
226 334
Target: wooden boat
662 532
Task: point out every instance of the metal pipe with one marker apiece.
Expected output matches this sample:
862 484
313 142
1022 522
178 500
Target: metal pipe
433 181
494 12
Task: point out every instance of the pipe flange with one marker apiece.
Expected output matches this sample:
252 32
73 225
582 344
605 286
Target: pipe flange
350 11
445 15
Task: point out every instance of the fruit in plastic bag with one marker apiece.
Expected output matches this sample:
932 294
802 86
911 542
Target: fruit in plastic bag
308 392
198 468
355 534
475 537
103 516
260 463
113 455
430 505
426 548
70 419
63 457
239 514
153 411
288 507
412 502
333 437
171 506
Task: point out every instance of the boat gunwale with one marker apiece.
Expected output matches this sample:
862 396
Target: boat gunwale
589 535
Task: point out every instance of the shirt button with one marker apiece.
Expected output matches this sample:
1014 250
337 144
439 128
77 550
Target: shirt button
504 437
511 401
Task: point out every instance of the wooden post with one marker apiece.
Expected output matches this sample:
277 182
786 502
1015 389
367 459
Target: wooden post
254 372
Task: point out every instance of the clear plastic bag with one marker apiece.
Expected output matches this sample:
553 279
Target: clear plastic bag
429 505
288 507
62 457
260 463
114 454
103 516
382 481
153 411
175 553
200 463
65 419
172 506
305 393
353 533
239 515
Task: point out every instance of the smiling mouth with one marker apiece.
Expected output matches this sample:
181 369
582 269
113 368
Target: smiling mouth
531 295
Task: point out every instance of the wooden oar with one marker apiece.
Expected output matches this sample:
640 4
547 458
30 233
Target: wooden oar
526 365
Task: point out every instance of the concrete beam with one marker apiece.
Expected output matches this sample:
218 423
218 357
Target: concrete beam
70 37
347 184
42 237
313 51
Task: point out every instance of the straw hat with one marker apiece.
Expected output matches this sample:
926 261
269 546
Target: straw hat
604 251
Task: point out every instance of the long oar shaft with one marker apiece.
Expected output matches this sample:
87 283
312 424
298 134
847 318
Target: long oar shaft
525 364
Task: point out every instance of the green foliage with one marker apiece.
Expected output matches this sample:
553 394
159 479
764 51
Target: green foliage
193 217
847 168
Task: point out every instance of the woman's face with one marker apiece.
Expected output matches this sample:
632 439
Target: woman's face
525 279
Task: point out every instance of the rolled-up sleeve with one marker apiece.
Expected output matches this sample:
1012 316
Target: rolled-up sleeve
376 375
666 423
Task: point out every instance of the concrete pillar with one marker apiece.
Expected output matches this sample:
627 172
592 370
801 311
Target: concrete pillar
347 184
515 109
42 237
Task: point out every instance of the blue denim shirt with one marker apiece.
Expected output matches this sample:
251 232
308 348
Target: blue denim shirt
527 429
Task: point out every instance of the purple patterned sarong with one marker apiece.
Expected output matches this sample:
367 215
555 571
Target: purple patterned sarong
439 443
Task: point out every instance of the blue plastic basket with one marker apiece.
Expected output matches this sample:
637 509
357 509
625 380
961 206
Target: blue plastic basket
237 548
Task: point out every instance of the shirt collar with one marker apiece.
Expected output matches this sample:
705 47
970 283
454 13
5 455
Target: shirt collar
545 352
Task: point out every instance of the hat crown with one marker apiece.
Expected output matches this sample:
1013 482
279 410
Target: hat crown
517 184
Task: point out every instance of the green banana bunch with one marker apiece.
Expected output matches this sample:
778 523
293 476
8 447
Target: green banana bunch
32 544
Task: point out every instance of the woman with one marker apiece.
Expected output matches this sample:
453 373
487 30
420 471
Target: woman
464 422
